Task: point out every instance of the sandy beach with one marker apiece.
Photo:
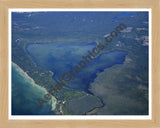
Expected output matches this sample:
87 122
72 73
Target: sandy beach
53 100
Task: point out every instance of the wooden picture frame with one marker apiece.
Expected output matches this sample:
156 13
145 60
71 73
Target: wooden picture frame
5 122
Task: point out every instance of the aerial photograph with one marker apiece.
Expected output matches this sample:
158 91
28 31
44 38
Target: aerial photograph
79 62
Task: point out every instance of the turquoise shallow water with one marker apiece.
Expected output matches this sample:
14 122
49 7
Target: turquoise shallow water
25 94
66 26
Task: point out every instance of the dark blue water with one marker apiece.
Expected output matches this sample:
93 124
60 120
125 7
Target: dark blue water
61 58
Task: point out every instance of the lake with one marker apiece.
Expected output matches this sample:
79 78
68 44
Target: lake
60 58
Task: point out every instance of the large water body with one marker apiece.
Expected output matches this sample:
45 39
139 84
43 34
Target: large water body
25 94
61 58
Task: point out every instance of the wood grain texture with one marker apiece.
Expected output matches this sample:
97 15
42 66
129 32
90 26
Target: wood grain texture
6 4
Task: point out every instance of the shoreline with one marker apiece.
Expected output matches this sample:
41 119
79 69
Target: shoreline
53 104
26 75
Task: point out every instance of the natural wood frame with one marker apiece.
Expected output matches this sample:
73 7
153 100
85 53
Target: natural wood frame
4 78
